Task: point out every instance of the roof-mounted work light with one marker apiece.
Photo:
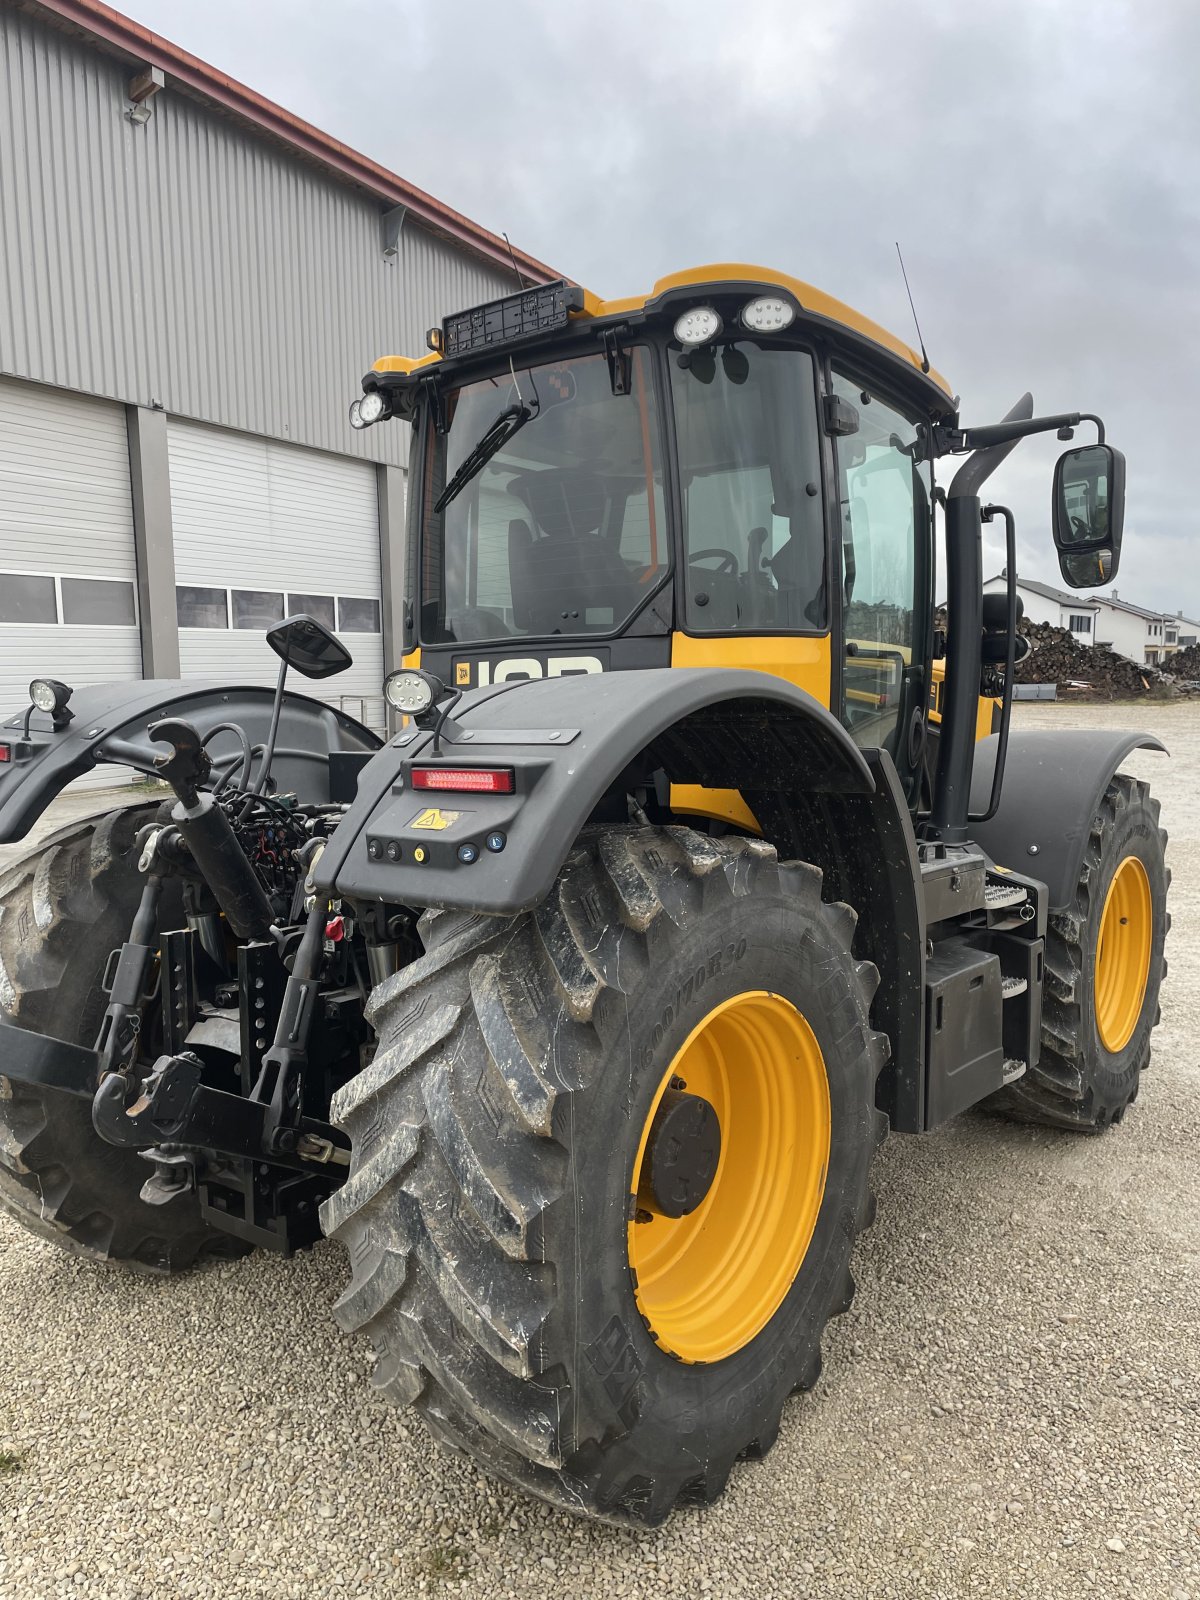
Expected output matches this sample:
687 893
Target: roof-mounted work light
696 326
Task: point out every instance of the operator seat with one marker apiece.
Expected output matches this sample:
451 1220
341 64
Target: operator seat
570 580
798 567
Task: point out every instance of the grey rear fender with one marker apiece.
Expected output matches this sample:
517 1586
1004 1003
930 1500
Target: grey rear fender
571 742
1053 784
120 713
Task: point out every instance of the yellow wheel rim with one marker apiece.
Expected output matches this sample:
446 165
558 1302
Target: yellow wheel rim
708 1282
1123 954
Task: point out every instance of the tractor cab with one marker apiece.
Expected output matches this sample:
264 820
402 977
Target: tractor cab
734 470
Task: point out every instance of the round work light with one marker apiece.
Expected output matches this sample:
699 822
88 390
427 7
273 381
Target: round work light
770 313
372 407
48 694
697 326
410 691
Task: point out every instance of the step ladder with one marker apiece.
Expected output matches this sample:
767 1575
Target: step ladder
999 896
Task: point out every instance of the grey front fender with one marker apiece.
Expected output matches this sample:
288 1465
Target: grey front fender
569 741
1053 783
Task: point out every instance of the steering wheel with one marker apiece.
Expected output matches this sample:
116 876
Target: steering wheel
726 560
1079 525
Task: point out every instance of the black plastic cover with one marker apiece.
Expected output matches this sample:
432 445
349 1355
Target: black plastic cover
527 315
964 1028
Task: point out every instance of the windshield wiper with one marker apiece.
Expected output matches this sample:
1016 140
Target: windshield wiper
509 422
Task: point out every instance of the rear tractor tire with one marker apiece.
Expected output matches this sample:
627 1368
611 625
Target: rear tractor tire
1104 968
63 908
609 1164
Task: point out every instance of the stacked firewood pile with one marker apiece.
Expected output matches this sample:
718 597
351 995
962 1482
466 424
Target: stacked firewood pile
1184 663
1095 670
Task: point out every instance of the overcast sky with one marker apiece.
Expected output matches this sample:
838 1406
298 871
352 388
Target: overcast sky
1039 162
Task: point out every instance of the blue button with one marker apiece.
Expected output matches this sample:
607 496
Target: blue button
496 841
468 853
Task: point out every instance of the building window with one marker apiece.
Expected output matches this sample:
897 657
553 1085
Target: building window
202 608
312 605
98 602
1080 622
1172 636
357 616
27 599
256 608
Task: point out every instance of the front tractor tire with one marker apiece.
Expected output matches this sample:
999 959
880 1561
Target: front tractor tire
609 1165
1104 969
63 908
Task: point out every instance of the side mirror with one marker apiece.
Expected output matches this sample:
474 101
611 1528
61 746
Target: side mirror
308 645
1089 514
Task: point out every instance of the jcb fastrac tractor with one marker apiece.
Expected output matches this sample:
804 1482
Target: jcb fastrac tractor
697 859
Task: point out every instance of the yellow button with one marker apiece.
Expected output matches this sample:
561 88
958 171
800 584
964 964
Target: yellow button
419 853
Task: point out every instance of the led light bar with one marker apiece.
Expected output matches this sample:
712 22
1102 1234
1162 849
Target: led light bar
517 317
464 780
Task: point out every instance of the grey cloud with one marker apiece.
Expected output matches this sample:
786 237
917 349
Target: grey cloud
1037 161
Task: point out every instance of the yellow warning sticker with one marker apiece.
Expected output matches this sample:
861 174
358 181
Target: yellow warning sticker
462 674
435 819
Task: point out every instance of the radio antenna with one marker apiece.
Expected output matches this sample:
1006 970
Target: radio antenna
512 256
521 284
908 291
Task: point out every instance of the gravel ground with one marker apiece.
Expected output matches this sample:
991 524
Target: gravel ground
1010 1408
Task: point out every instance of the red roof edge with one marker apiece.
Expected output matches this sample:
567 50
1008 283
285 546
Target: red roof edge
122 34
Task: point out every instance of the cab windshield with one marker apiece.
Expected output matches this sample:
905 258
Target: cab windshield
562 530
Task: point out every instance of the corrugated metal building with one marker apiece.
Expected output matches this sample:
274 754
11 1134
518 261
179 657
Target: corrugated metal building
192 282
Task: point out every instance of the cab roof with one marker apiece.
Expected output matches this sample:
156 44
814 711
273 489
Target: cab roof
815 306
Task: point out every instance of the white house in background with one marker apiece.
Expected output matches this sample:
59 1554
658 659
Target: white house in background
1145 636
1148 637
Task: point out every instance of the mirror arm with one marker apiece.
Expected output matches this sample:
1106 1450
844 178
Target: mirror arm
953 441
268 755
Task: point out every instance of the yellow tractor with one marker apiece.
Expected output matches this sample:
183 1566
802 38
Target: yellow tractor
693 866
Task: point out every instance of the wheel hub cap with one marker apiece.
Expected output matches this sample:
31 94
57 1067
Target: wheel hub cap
682 1155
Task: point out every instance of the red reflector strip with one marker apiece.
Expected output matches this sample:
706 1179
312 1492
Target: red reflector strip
5 752
464 780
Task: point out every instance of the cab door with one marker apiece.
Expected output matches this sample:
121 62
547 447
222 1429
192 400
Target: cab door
884 510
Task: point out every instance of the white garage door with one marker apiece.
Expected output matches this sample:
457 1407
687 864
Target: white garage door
262 530
68 582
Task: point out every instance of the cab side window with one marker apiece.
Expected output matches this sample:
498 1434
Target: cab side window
884 503
750 471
